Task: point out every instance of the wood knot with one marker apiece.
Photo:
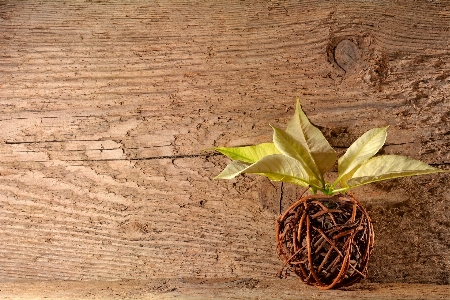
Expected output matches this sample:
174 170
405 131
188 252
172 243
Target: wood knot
346 55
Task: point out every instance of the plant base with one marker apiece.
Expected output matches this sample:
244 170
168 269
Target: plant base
325 240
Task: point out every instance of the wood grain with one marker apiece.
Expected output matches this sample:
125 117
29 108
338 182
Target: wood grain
222 288
107 105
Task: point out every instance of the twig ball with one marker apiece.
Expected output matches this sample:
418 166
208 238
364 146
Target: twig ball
325 240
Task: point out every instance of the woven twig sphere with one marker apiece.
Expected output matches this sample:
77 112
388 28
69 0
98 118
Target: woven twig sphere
325 240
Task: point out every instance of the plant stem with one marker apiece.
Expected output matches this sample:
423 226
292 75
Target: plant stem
315 187
341 190
335 182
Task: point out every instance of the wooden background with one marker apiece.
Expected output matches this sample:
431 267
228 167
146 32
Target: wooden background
107 105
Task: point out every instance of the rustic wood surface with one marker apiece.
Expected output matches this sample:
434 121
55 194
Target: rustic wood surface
107 105
223 288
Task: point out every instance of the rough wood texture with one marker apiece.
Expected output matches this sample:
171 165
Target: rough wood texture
106 106
223 288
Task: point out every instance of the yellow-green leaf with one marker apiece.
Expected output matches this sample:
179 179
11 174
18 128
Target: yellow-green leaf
312 139
248 154
276 167
232 170
389 166
359 152
291 147
279 167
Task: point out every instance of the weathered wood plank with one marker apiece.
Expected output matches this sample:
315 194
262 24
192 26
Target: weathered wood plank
224 288
106 107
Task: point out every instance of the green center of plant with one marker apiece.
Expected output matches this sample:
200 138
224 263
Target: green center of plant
328 189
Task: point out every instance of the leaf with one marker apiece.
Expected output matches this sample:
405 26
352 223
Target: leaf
389 166
291 147
279 167
312 139
359 152
248 154
276 167
232 170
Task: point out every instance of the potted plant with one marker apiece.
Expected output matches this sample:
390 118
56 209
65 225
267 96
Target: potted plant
325 238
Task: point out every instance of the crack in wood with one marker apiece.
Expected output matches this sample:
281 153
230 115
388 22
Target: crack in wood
148 158
102 140
281 197
49 141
